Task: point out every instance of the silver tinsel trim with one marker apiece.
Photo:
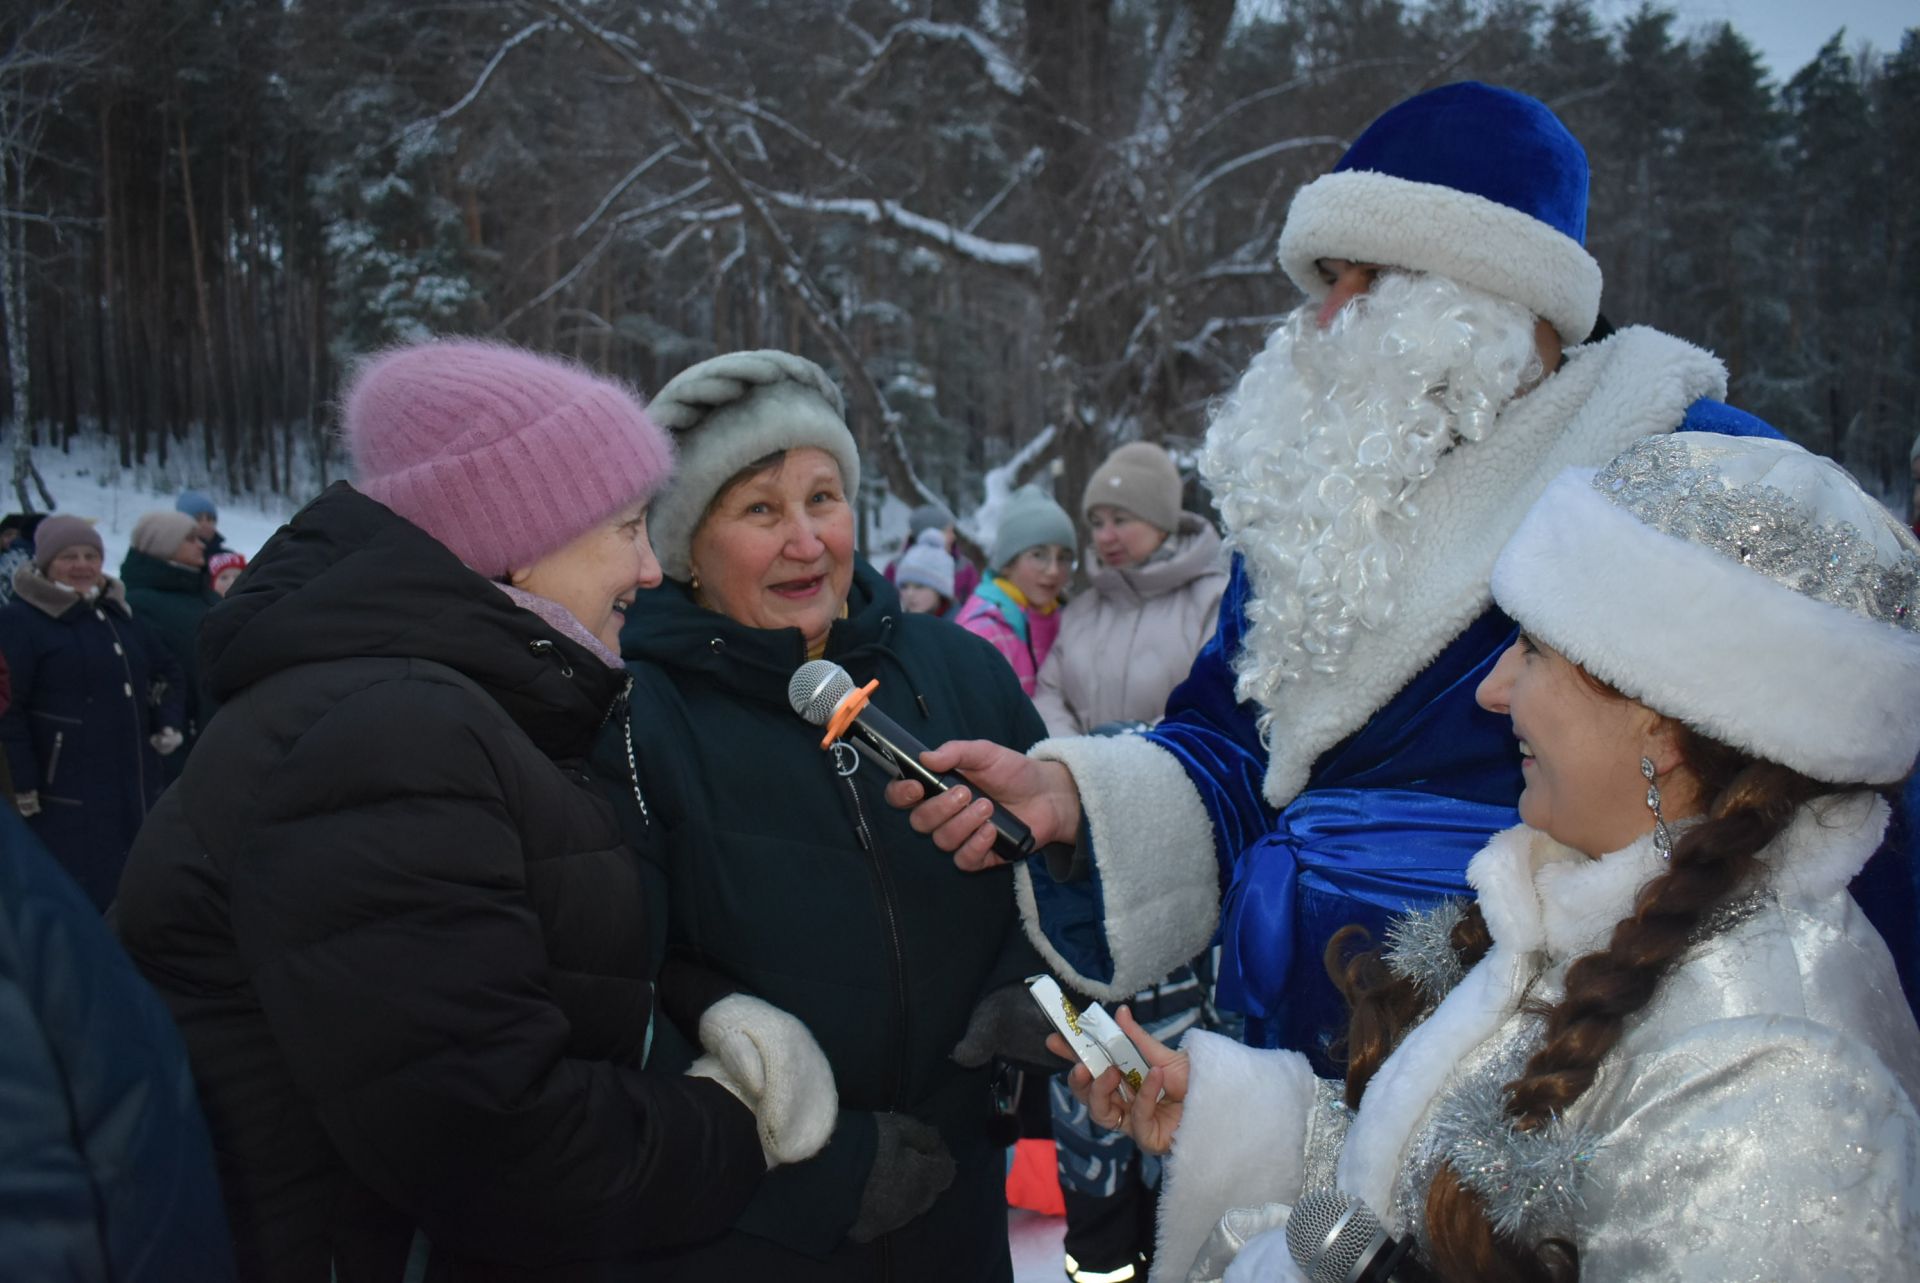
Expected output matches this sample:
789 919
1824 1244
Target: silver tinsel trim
1727 915
1679 486
1418 947
1529 1181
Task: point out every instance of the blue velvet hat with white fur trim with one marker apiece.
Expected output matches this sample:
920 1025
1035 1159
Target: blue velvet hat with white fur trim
1479 184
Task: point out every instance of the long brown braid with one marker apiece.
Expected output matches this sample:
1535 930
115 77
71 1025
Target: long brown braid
1752 802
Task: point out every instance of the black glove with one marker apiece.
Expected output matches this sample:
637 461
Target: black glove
1008 1024
911 1168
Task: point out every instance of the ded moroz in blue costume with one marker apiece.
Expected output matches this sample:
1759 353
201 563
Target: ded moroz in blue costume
1324 762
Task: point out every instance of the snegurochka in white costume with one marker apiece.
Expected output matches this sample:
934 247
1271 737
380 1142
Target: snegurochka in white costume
1325 763
1664 1043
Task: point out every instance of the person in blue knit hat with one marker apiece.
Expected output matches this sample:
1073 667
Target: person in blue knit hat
1324 763
206 519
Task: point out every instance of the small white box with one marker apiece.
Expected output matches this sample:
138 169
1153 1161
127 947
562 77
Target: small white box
1092 1034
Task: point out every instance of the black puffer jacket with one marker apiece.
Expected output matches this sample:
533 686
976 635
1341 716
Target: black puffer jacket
395 920
805 888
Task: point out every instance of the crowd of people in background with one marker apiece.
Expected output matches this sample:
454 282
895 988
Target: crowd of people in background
1456 854
104 697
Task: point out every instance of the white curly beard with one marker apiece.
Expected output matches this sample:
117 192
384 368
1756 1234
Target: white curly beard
1317 455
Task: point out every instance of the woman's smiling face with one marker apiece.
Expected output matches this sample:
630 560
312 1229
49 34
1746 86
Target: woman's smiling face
775 549
1580 748
596 575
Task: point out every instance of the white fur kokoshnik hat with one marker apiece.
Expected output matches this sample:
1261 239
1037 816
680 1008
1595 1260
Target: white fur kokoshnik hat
727 412
1478 184
1739 584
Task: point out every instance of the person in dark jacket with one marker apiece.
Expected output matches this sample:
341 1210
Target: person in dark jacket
789 876
84 729
391 910
16 547
165 571
109 1174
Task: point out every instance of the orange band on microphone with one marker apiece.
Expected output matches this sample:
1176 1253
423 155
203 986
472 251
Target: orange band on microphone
848 709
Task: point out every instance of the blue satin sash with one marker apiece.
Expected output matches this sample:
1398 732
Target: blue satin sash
1331 853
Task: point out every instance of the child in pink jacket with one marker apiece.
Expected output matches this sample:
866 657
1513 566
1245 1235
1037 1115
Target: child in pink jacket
1018 609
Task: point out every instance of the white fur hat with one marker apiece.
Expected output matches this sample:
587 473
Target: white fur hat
1740 584
725 413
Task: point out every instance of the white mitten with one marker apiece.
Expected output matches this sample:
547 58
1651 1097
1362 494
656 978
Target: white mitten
165 740
769 1060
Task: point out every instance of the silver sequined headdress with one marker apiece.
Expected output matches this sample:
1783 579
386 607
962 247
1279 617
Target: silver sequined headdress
1742 585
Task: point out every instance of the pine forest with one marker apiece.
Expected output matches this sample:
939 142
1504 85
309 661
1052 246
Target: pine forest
1017 233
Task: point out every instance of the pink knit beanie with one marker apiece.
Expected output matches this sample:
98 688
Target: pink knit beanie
500 454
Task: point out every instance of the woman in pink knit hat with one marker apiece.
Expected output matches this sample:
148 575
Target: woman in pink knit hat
398 925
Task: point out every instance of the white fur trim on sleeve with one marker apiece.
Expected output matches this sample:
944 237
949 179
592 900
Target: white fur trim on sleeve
1376 218
1683 629
1242 1141
1153 850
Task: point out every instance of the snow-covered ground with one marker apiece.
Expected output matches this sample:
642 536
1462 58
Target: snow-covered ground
89 482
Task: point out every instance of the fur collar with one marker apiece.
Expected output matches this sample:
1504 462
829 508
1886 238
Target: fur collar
1634 384
1544 903
54 600
1539 895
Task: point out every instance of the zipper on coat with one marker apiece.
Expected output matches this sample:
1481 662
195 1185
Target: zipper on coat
142 700
53 759
622 709
896 960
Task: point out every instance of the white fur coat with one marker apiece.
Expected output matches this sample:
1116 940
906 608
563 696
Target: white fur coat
1758 1112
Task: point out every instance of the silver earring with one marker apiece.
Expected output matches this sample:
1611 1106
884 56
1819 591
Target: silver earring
1662 836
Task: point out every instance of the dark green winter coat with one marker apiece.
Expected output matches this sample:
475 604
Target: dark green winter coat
173 600
802 886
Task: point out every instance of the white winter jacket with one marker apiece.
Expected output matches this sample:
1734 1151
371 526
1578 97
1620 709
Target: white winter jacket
1755 1121
1130 639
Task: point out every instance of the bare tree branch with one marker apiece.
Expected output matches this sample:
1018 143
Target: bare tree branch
1004 73
759 113
1258 154
614 193
1005 256
600 247
1317 76
1032 163
891 446
421 128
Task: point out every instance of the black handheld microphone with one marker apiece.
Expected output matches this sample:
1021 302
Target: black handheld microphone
822 692
1336 1238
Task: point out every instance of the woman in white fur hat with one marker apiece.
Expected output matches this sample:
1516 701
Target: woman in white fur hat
786 874
1664 1043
